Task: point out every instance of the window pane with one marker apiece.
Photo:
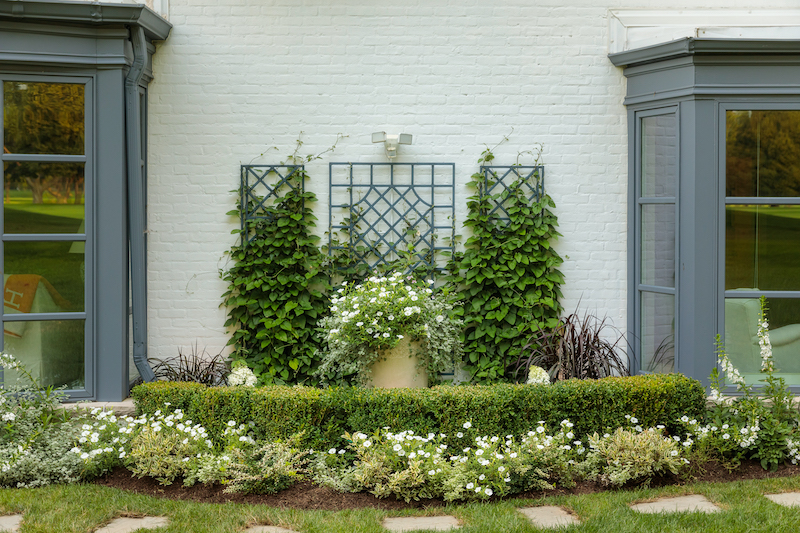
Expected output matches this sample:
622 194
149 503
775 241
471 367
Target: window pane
658 245
51 350
762 156
658 332
43 277
43 197
761 247
659 155
741 337
43 118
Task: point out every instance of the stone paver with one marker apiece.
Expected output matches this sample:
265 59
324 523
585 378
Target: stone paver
123 408
414 523
789 499
548 516
10 522
268 529
126 525
695 502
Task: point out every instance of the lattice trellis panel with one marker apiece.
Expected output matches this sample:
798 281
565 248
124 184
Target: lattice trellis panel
385 212
259 187
497 179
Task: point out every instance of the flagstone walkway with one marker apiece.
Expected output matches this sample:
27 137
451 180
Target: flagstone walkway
542 517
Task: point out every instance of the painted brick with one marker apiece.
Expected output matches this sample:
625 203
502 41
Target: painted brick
237 77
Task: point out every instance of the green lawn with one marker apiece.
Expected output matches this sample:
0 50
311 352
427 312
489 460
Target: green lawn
83 508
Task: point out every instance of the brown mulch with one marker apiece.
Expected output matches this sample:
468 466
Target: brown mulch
306 495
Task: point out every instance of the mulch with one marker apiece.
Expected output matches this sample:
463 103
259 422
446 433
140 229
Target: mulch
306 495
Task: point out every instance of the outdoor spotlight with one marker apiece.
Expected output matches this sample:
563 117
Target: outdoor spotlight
391 141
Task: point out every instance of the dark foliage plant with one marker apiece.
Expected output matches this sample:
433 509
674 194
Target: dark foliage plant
197 367
576 347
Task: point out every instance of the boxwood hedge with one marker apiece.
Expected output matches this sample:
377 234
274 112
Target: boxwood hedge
325 414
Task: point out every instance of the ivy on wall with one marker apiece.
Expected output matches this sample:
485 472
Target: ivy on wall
277 287
507 278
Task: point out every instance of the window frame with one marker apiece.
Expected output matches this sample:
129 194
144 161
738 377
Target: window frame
89 160
636 203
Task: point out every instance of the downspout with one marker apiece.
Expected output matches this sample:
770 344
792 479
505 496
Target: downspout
136 202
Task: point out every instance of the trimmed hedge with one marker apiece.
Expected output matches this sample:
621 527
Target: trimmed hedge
503 409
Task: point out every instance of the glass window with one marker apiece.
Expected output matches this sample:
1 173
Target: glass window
657 228
43 241
762 238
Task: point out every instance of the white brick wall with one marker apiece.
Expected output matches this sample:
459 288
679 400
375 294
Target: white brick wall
238 77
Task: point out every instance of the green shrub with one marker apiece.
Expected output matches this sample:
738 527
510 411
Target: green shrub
324 415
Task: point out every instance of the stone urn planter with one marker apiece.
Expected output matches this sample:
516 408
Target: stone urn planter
397 368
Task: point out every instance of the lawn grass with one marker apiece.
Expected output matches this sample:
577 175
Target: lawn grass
83 508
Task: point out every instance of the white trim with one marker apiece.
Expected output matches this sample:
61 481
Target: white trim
629 29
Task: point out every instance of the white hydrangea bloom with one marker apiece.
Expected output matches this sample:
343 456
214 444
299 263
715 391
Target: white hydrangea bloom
538 375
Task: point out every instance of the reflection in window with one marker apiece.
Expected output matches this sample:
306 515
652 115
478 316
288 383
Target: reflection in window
741 336
43 276
659 155
762 247
51 350
658 245
43 197
658 332
762 153
43 118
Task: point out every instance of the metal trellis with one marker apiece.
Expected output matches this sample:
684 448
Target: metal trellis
259 189
393 211
499 178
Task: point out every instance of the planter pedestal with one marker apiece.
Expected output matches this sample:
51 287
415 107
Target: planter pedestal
397 368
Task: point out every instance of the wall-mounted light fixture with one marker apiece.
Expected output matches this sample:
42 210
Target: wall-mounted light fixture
391 141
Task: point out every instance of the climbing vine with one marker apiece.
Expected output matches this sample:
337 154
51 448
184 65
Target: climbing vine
507 277
278 284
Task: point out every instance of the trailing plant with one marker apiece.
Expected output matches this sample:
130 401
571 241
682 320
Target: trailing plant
277 284
266 468
630 456
194 366
576 347
374 316
35 434
507 277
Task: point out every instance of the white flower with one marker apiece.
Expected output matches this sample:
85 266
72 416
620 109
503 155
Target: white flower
488 491
439 318
386 335
367 444
400 337
431 472
9 417
470 485
467 425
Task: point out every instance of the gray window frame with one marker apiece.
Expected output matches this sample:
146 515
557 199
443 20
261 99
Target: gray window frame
88 159
759 104
703 78
113 45
636 203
